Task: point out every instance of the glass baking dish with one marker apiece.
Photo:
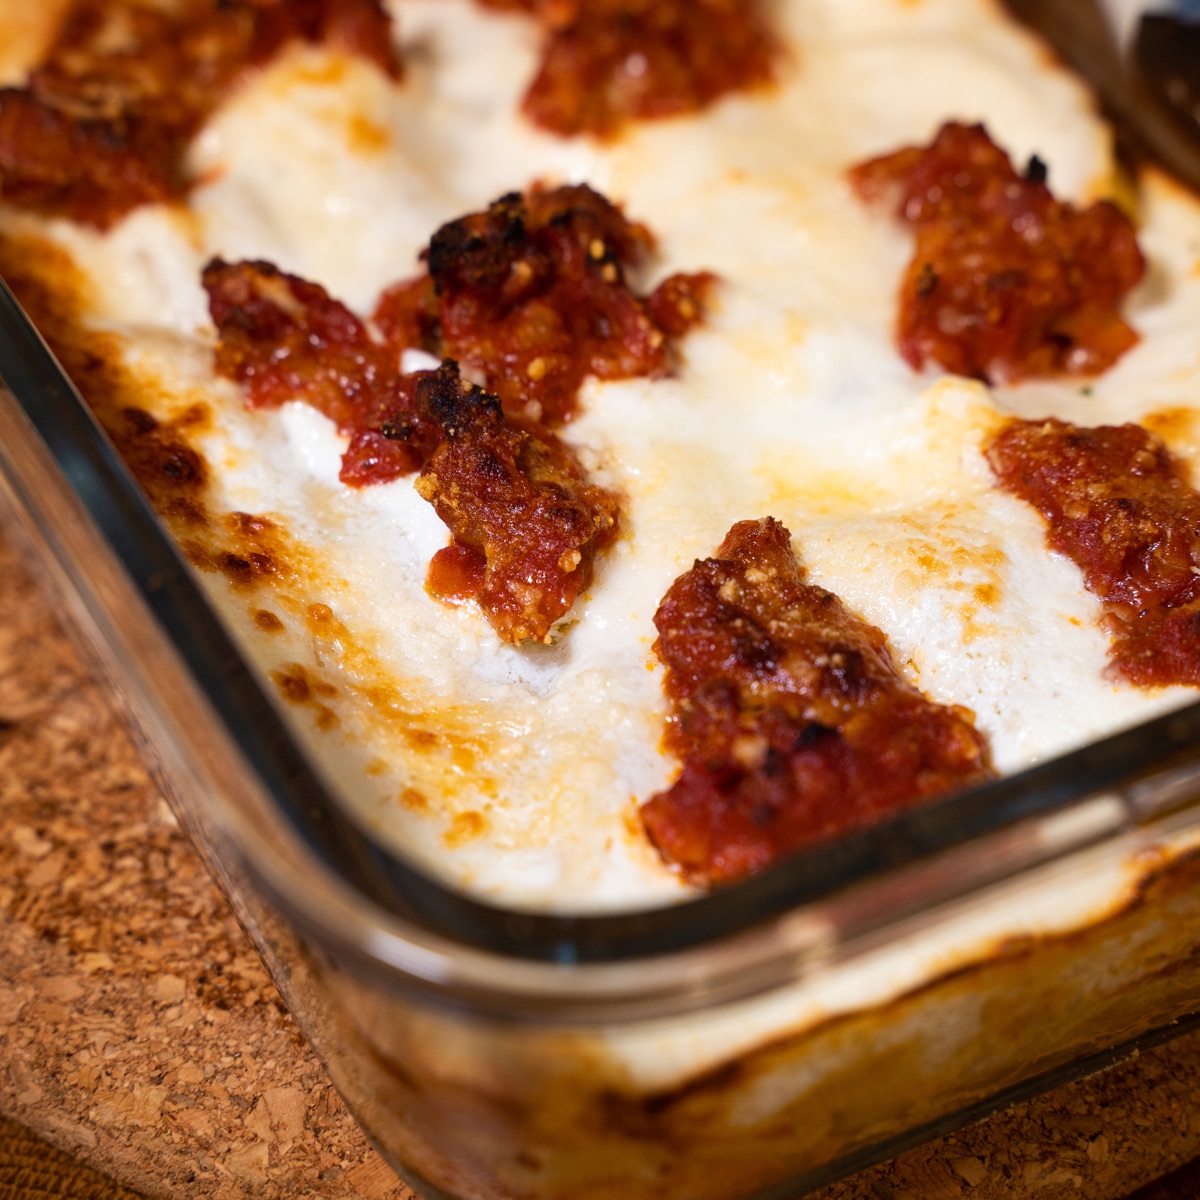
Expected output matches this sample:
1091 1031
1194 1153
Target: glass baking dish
757 1041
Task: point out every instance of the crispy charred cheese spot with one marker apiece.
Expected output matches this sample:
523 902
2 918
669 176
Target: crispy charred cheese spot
104 121
1007 282
606 62
791 720
532 293
527 524
1120 506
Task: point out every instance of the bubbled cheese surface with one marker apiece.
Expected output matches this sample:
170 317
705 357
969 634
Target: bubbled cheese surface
516 772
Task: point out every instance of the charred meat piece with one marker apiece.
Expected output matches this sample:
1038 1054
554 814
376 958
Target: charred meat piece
527 523
532 294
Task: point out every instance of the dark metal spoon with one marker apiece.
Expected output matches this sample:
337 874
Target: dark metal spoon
1149 87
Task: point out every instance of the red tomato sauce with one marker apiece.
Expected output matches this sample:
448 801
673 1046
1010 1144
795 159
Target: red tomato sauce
1006 282
104 122
791 720
1120 506
607 62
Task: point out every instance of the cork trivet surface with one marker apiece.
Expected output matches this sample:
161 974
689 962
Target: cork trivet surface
138 1029
140 1033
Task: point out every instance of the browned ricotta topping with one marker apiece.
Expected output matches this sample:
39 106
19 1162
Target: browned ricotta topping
792 722
605 62
1121 507
1006 282
104 121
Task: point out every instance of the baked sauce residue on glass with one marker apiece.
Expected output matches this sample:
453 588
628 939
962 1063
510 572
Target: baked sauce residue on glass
104 121
532 295
1120 506
606 62
1006 282
789 715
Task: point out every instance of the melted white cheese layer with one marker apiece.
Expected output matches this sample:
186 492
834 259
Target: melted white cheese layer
791 401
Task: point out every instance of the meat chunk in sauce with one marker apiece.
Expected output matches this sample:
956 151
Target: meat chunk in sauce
788 713
606 62
533 294
1121 507
104 122
527 523
1006 282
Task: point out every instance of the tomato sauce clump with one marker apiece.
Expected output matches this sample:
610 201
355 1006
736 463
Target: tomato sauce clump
283 338
606 62
1120 506
532 293
791 720
104 122
531 296
1007 283
527 524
